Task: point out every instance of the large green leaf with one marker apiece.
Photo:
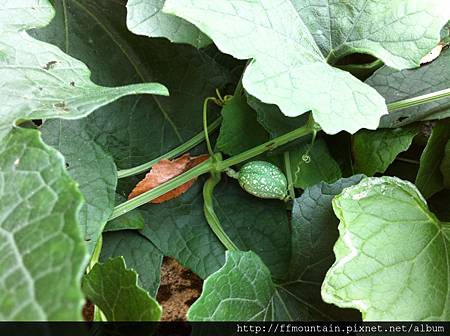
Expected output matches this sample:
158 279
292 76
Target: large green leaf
314 232
429 179
292 41
135 130
43 254
146 18
92 168
38 80
396 85
240 129
139 253
374 151
240 291
114 289
392 256
244 289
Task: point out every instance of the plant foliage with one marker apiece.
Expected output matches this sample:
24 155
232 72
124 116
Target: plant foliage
196 99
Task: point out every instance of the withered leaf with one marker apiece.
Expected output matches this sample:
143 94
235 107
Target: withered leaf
165 170
433 54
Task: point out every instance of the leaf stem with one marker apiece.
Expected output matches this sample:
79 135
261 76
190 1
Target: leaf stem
402 159
427 98
210 215
197 139
288 171
205 124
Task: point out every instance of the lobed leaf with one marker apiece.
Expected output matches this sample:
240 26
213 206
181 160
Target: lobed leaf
43 254
139 254
291 42
245 289
40 81
145 17
114 289
392 254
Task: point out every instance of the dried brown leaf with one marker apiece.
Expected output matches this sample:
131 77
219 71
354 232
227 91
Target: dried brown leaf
433 54
165 170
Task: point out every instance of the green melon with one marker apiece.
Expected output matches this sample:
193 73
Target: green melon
263 180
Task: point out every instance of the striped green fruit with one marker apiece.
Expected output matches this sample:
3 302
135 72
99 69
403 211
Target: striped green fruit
263 179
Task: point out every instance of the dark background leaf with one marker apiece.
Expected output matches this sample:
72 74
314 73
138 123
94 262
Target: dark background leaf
396 85
139 253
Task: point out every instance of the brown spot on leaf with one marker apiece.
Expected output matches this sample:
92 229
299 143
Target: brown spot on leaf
50 65
165 170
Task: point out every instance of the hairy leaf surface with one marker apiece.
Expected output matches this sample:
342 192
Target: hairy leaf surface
145 17
38 80
392 255
291 42
40 241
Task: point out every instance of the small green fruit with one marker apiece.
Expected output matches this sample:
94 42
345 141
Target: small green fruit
263 180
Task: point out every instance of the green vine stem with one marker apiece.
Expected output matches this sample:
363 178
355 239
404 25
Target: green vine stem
160 190
210 215
427 98
196 140
205 123
208 165
95 255
267 146
288 171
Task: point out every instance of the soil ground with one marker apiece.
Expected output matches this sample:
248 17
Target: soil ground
178 290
